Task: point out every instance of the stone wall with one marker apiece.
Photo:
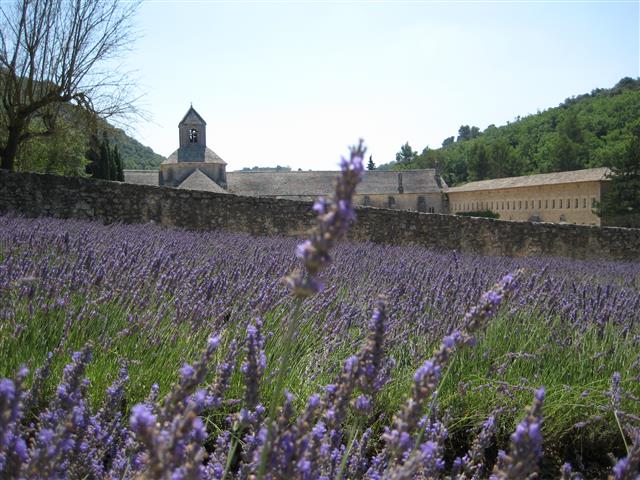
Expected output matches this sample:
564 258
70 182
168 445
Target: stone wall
70 197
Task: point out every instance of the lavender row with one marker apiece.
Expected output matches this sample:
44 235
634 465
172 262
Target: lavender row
166 437
204 279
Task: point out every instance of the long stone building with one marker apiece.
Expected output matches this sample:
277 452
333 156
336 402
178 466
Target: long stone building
563 197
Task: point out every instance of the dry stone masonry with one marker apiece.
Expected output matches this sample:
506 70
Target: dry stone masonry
35 195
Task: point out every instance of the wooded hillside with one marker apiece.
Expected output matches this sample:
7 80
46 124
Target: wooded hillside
586 131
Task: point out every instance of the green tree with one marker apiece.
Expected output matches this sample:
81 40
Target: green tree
56 53
564 154
585 131
478 162
104 162
117 160
62 152
622 197
503 160
464 133
467 133
371 165
406 154
448 141
568 153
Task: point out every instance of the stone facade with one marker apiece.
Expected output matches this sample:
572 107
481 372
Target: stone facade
85 198
196 167
416 190
563 197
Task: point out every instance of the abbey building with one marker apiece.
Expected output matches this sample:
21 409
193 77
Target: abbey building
563 197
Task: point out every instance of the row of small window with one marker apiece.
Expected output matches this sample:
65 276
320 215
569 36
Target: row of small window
528 205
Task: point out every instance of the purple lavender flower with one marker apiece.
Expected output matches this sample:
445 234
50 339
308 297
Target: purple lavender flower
526 445
332 223
628 468
142 420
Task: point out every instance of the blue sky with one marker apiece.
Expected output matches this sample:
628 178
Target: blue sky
295 83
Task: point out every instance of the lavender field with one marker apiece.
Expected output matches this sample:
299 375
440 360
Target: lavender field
147 299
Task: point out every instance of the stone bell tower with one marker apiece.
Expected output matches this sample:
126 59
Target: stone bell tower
193 137
193 161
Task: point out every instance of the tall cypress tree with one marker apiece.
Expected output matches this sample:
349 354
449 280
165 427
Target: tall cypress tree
371 165
93 155
105 159
118 161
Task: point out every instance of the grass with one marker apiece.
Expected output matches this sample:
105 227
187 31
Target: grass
517 354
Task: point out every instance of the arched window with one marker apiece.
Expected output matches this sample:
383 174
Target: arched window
193 135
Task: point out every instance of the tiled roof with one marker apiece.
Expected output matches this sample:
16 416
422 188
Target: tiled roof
192 112
199 181
323 183
588 175
305 184
194 153
142 177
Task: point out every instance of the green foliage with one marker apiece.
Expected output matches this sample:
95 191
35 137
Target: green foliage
586 131
448 141
406 155
622 197
525 345
467 133
371 165
134 155
105 161
392 165
61 152
478 162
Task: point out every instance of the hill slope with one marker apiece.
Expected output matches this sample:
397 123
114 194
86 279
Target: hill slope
586 131
135 156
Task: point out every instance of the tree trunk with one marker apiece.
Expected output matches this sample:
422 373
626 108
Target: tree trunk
11 148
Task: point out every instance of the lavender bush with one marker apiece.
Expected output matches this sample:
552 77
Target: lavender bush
306 386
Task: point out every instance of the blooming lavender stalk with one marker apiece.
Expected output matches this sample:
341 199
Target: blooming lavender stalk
332 222
427 377
567 473
190 378
171 439
470 465
13 448
526 446
628 468
63 426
